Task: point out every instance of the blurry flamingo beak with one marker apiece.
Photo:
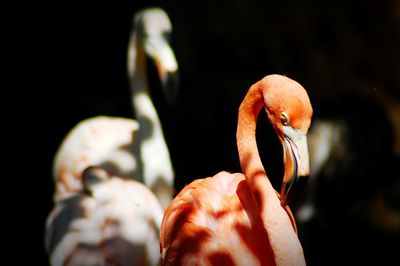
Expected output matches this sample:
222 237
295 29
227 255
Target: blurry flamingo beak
297 164
159 50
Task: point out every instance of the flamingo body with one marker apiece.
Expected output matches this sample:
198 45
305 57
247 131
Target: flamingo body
210 218
112 222
103 141
220 224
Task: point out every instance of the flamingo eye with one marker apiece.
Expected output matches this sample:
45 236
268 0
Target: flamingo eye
284 118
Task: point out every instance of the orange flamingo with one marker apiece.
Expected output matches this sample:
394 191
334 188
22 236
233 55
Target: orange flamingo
239 219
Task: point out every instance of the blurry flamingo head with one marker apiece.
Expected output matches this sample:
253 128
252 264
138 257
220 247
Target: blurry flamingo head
152 30
289 111
92 176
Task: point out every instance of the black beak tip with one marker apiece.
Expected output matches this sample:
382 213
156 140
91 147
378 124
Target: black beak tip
293 190
171 86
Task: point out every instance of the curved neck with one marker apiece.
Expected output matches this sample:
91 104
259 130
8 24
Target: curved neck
246 132
138 79
149 139
250 160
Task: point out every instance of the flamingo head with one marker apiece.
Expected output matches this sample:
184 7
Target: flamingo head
289 111
153 29
92 176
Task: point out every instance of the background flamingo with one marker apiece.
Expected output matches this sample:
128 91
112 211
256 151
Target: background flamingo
238 219
102 216
355 166
112 221
119 145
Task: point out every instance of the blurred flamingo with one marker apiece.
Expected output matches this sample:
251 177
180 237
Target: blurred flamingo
102 215
112 221
123 146
239 219
354 184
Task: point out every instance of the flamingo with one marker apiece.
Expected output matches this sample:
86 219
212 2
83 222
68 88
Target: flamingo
125 147
343 197
239 219
112 221
103 214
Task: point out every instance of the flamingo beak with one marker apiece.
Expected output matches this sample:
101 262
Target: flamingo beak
297 164
160 51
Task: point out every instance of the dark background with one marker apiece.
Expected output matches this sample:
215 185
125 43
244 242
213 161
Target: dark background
222 47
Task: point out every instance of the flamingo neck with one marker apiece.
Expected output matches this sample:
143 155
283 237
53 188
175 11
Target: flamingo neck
246 132
154 164
138 78
250 161
283 238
